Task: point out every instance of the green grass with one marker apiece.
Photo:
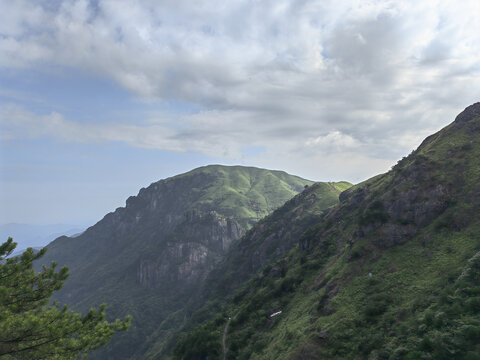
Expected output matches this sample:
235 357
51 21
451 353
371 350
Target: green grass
386 275
246 192
386 307
171 214
341 186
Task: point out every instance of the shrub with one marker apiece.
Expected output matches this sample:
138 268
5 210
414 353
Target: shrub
374 214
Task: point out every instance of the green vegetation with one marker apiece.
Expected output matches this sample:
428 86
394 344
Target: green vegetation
374 214
29 329
268 240
247 193
341 186
204 343
392 272
150 258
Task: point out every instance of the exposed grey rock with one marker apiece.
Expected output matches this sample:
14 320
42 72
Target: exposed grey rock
191 251
471 112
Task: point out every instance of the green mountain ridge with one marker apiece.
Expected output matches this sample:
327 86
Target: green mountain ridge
254 250
149 258
392 272
270 238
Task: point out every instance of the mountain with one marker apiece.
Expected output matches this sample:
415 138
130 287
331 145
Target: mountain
149 258
36 236
268 240
391 272
273 236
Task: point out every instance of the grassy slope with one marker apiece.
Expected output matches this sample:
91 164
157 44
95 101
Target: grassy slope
415 230
245 192
249 254
211 188
104 261
270 238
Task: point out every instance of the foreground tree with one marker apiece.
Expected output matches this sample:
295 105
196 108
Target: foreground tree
29 328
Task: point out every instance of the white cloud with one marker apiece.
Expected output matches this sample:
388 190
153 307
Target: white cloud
292 76
16 121
334 139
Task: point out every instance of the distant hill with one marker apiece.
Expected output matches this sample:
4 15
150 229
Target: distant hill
149 258
391 272
36 236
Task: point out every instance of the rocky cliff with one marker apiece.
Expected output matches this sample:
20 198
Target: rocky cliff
191 250
149 258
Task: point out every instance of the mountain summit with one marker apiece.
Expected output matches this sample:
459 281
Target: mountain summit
148 259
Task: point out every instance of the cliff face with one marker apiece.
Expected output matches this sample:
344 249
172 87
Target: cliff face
149 258
188 257
272 237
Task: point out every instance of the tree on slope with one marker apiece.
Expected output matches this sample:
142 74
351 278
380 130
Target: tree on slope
29 328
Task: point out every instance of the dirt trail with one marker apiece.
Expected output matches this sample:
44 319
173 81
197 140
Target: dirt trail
224 340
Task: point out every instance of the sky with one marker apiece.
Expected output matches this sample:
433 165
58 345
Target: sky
99 98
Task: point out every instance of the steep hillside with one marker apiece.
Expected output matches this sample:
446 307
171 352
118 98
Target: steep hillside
392 272
268 240
149 258
273 236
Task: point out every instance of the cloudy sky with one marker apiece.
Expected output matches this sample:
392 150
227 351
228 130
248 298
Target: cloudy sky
100 98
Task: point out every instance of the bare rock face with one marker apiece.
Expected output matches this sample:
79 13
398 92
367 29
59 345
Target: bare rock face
180 262
470 113
191 251
398 217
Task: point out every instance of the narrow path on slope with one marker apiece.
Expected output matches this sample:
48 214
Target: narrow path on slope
224 340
